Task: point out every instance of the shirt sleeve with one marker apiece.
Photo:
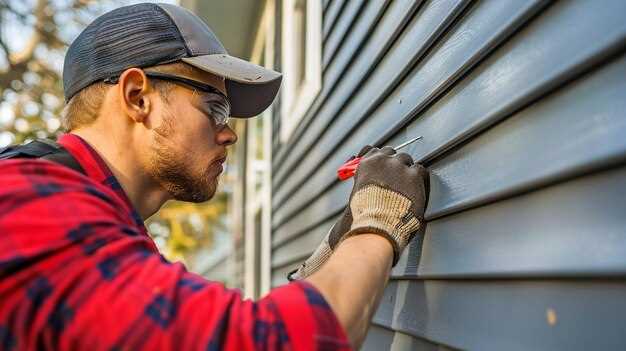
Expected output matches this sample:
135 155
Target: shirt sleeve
77 274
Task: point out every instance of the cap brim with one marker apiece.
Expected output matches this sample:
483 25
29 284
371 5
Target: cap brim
251 88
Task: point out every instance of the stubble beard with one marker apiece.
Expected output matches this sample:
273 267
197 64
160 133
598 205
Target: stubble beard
174 174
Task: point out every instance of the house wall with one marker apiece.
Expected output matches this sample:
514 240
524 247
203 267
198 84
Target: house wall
521 108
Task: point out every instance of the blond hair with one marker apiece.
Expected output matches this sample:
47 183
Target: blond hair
84 108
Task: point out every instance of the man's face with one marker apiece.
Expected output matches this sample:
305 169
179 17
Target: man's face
188 147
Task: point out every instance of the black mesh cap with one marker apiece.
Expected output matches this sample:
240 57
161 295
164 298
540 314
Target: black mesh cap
145 35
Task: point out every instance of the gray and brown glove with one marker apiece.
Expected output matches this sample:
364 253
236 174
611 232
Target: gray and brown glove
388 198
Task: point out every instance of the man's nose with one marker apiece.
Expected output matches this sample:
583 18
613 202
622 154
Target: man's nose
226 136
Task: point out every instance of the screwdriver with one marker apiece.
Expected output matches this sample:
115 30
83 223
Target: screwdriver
347 170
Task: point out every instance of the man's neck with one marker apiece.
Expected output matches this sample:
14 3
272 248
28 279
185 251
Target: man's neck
145 195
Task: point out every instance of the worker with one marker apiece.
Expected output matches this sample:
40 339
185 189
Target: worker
149 90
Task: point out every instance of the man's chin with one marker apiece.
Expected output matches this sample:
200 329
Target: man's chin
195 194
195 197
191 189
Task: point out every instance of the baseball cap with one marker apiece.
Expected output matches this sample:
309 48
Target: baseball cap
149 34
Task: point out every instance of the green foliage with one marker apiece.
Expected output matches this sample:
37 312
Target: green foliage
34 36
32 45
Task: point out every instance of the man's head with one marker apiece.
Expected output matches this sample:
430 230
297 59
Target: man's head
173 132
160 90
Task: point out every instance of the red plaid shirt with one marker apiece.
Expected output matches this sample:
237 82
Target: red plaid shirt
78 271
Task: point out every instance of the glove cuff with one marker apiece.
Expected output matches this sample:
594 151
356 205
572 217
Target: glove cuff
313 263
385 212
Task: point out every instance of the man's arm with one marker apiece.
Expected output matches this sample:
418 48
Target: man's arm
79 273
351 266
354 293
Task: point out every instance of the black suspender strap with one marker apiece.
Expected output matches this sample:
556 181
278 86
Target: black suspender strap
42 148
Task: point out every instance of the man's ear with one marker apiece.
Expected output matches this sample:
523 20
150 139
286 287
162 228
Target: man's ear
134 94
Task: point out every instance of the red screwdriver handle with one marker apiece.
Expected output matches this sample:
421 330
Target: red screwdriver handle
347 170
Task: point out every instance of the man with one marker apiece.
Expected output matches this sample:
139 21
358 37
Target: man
149 90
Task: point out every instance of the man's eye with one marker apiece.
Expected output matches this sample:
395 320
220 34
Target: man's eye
217 107
220 109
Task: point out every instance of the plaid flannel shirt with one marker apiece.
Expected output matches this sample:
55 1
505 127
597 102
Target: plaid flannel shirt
78 271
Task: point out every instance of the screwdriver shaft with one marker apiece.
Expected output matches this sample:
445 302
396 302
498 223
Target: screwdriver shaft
407 143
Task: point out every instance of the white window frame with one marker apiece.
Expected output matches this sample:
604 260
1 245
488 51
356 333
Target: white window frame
296 102
261 200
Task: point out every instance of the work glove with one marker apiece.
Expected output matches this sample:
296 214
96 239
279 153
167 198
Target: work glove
388 198
330 242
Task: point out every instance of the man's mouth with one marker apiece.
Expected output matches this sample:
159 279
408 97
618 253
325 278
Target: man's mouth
220 160
219 164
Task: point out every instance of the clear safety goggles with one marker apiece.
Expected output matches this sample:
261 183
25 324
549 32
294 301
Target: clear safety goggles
218 106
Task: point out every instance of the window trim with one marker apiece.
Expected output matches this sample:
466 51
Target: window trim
258 246
294 107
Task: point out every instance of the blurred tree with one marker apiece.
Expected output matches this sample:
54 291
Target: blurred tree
34 36
184 230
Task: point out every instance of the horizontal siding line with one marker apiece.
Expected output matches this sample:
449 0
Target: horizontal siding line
280 241
300 258
330 15
409 273
391 329
548 276
570 229
325 5
350 51
508 315
613 44
555 169
379 325
288 252
284 254
436 241
368 53
420 84
279 276
564 78
349 16
396 61
426 27
600 93
321 209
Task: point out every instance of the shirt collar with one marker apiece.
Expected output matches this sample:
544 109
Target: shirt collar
97 170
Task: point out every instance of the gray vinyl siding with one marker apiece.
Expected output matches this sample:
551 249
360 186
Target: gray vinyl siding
521 105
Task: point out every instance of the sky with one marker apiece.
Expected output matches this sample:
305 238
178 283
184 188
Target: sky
16 35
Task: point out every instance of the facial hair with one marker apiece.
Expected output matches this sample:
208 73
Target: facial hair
172 170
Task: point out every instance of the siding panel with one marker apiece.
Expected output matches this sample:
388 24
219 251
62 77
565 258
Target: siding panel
459 51
330 16
508 314
340 30
318 211
428 24
480 98
521 108
572 229
298 250
381 338
377 339
279 275
577 130
379 35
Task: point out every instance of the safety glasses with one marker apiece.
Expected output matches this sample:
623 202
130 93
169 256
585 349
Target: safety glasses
219 109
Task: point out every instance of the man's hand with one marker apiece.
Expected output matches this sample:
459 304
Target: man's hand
386 209
388 199
328 245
